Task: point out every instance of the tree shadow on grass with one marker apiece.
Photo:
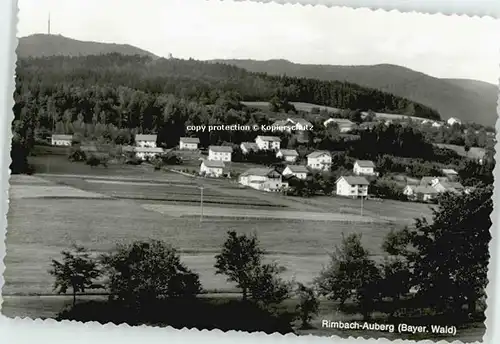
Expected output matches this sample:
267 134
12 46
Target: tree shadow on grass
207 314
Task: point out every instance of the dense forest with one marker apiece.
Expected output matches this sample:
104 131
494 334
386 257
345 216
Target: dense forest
111 97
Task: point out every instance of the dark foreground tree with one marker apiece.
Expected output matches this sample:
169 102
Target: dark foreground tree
147 271
241 261
308 304
351 275
239 258
451 260
77 271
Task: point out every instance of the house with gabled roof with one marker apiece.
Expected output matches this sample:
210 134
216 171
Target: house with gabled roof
189 143
222 153
364 167
319 160
264 179
297 171
268 142
289 155
212 168
422 193
145 140
450 173
352 186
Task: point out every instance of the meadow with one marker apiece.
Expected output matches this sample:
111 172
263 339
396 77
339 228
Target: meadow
40 227
473 153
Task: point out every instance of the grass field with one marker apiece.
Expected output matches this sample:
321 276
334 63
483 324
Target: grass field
473 153
76 204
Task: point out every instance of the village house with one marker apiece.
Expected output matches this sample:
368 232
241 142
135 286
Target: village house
247 147
145 153
212 168
189 143
264 179
319 160
420 193
352 186
451 174
61 140
344 124
142 140
367 125
289 155
437 124
364 167
268 142
297 171
447 186
222 153
453 120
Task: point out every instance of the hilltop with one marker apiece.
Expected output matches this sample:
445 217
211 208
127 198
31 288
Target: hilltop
469 100
43 45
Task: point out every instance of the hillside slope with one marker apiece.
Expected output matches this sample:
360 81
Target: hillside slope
469 100
42 45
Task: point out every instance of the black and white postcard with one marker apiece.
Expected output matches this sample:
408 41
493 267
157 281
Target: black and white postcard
254 167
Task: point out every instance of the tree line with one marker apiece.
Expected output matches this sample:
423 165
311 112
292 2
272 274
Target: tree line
414 277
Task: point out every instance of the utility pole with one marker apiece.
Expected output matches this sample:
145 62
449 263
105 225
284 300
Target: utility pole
361 205
201 204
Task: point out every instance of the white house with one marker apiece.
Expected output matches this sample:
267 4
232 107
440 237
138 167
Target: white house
289 155
298 171
352 186
212 168
268 142
147 152
190 143
420 193
453 120
222 153
142 140
319 160
265 179
437 124
344 124
364 167
61 140
247 147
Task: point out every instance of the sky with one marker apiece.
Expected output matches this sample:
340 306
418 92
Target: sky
438 45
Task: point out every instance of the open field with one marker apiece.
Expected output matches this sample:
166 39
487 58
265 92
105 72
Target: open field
306 107
473 153
39 228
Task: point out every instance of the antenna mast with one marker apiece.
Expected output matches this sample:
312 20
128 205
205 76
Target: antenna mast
48 25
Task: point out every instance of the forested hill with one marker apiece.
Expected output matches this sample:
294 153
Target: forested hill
469 100
40 45
197 80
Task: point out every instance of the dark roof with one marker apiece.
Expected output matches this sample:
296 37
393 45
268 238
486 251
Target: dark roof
223 149
190 139
365 163
354 180
214 163
289 152
318 154
298 168
259 171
